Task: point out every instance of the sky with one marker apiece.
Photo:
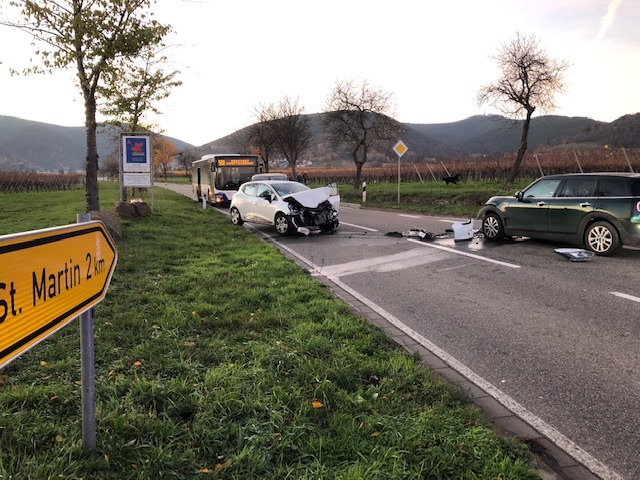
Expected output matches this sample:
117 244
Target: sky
431 56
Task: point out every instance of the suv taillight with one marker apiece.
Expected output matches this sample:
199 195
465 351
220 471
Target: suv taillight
638 206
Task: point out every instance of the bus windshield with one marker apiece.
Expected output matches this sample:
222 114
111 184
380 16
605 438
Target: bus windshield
230 178
217 177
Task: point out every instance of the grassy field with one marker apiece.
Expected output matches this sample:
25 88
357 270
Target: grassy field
463 199
217 357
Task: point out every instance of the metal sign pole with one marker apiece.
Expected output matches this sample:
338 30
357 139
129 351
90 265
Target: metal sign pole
398 178
122 189
87 377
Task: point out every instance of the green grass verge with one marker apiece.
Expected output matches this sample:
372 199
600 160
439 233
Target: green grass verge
217 357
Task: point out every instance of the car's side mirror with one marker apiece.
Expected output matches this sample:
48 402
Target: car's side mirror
266 196
520 196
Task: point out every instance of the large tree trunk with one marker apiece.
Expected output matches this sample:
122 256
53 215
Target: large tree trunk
91 164
359 163
521 151
357 182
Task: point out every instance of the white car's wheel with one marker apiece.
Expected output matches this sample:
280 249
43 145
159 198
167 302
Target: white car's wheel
282 224
236 219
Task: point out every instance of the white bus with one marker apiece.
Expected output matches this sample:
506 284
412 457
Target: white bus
217 177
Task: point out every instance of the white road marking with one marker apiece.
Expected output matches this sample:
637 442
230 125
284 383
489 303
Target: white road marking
359 226
462 265
409 216
571 448
466 254
386 263
624 295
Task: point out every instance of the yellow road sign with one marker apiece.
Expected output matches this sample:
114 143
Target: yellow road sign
400 148
47 278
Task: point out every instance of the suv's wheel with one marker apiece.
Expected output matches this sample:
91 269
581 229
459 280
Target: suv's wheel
236 219
492 227
602 239
282 224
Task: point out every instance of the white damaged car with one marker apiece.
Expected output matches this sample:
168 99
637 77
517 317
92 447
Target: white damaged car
288 206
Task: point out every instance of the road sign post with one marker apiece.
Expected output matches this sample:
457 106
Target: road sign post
400 148
87 377
48 278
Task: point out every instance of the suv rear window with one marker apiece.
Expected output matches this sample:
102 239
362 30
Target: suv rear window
635 188
612 187
578 187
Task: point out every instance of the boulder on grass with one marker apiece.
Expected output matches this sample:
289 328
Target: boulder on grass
133 210
111 221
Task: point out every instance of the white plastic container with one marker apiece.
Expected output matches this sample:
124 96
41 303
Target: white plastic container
463 230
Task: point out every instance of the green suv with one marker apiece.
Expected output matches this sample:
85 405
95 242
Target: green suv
600 211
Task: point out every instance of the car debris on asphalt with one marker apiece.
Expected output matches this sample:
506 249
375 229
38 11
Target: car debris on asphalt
421 234
575 254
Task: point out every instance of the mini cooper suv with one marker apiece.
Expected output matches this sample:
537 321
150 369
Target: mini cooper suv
600 211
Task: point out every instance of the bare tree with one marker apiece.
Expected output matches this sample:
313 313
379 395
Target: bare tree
529 82
283 128
241 142
111 166
261 135
185 159
360 118
131 89
91 37
291 131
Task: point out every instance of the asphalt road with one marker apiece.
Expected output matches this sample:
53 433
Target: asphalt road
560 338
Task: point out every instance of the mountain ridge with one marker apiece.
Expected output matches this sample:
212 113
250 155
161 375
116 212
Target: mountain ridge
27 145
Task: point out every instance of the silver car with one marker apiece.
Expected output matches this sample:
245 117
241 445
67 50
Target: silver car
288 206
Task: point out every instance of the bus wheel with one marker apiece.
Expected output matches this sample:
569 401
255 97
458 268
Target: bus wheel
236 219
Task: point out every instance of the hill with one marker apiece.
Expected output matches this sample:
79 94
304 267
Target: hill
322 153
498 135
476 135
27 145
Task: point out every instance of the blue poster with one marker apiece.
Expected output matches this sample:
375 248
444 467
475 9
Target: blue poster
136 154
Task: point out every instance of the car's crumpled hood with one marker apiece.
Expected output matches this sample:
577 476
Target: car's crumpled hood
315 196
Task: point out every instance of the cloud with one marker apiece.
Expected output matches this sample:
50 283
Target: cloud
608 19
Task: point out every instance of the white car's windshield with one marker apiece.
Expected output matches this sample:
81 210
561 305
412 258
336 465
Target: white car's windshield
287 188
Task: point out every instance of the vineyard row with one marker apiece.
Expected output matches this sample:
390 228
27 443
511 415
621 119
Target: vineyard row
12 182
487 168
477 169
